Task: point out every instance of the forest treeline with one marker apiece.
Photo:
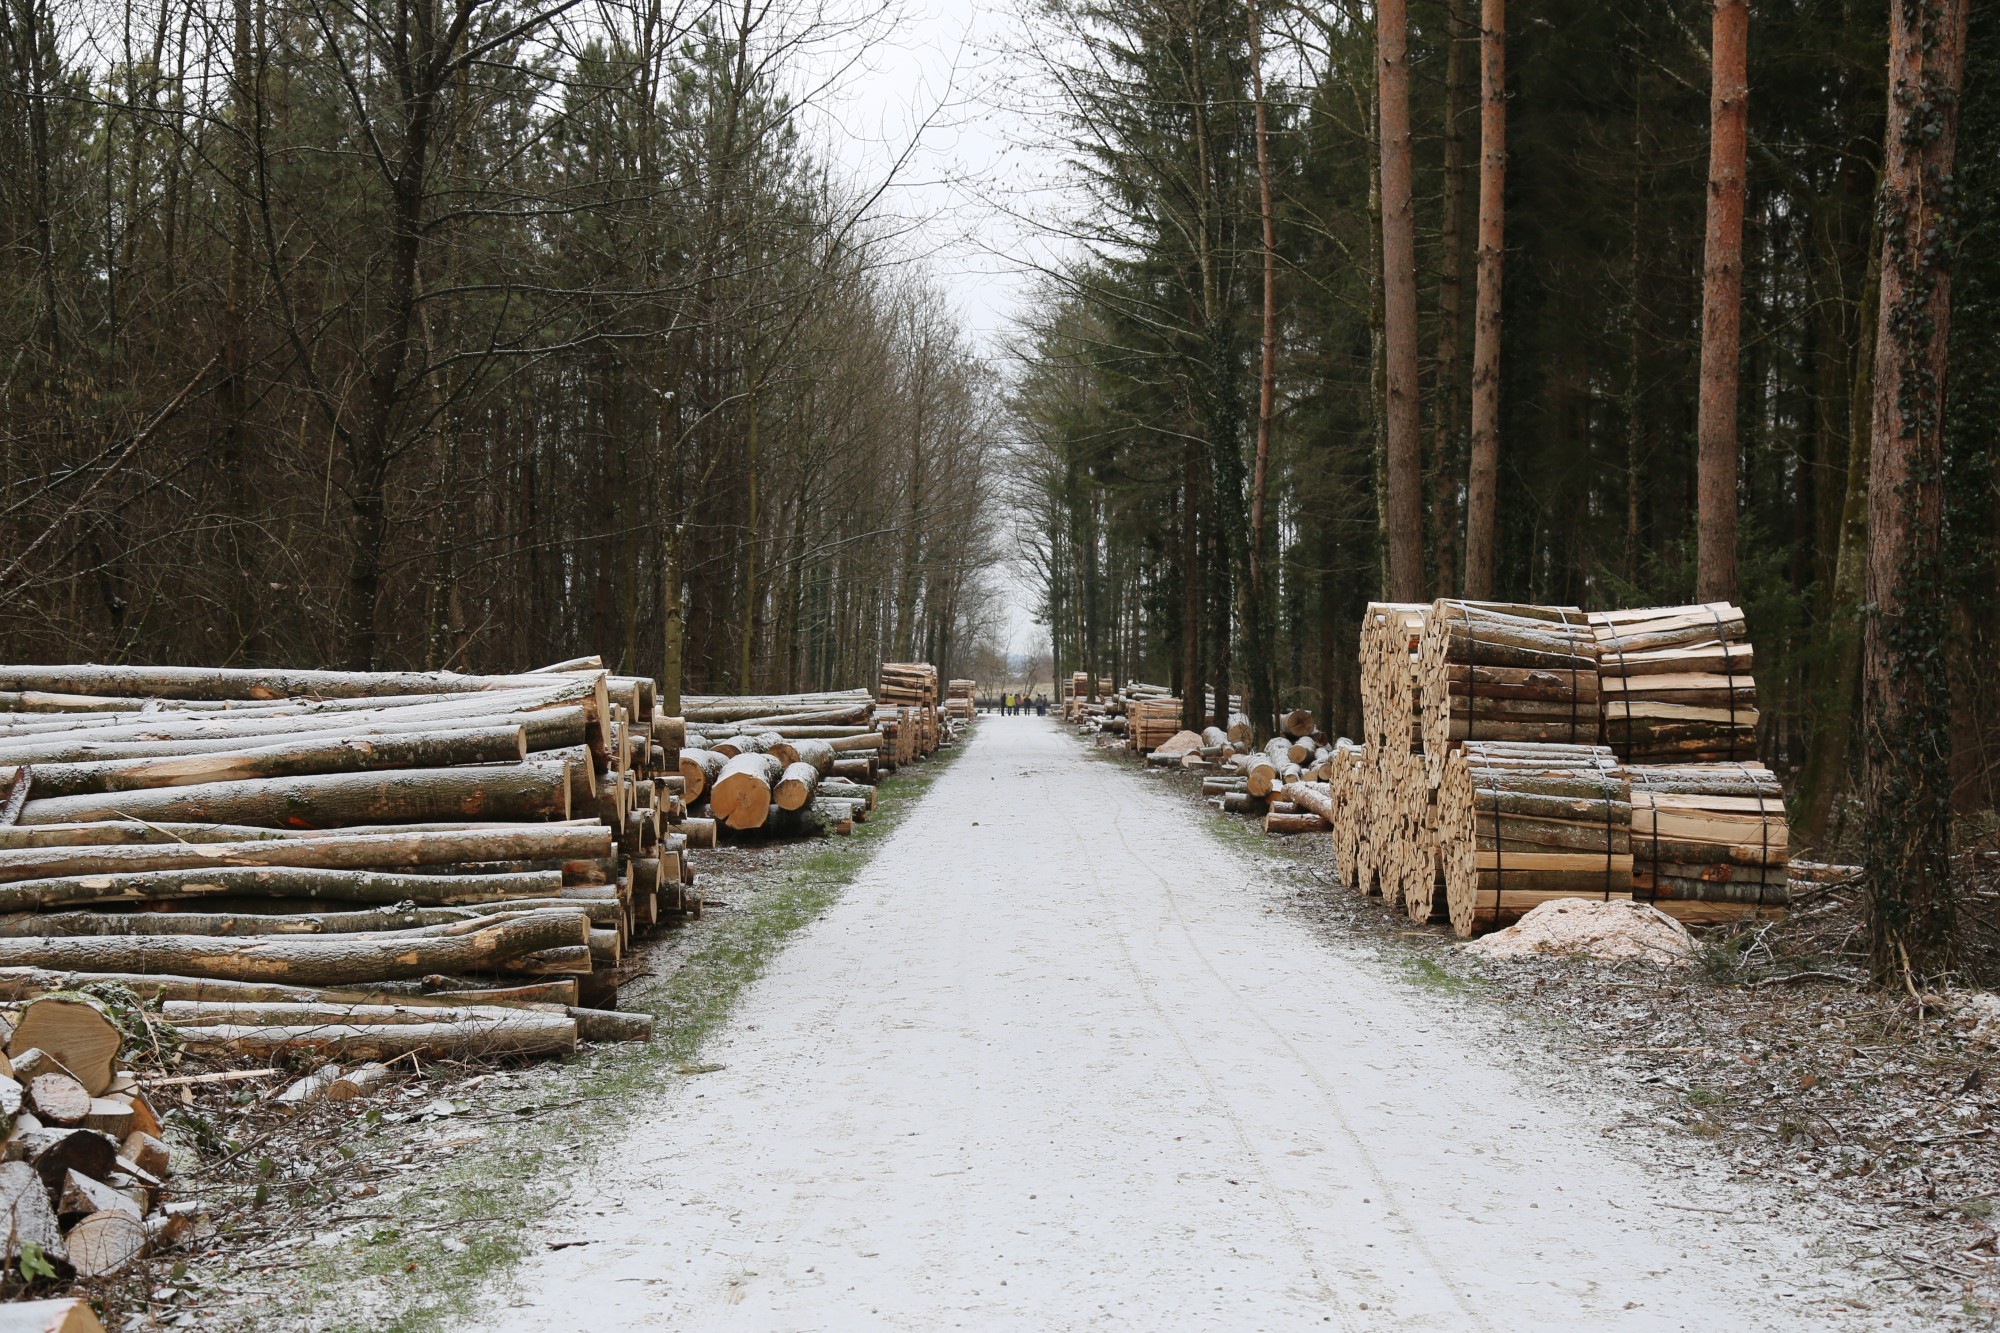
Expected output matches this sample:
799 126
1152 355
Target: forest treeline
456 333
1185 536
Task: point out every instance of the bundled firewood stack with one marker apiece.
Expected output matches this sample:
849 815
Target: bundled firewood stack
959 704
1521 823
1490 672
1391 635
1150 722
328 833
912 687
1676 685
86 1171
1708 839
789 764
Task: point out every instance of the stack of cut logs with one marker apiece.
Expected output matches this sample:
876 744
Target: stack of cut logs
1560 754
784 764
1514 753
350 867
959 704
908 716
1676 684
368 841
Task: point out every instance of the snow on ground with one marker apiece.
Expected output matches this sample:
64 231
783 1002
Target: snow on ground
1054 1062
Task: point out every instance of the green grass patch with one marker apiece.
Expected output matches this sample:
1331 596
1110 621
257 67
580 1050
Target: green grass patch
488 1201
1432 975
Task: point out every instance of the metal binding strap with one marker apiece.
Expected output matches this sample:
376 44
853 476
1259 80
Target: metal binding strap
1728 679
1499 853
1764 837
1572 676
1609 792
1647 778
1625 692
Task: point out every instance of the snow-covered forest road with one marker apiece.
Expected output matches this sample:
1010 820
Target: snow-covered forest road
1060 1060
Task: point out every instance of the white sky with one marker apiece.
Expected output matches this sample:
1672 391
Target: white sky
936 107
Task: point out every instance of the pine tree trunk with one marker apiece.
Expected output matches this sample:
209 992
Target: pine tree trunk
1447 430
1263 691
1399 310
1483 477
1722 303
1905 690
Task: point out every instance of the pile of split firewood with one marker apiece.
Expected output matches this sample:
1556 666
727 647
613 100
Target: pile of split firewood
1512 754
83 1186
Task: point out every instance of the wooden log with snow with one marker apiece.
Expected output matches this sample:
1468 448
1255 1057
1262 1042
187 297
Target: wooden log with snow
741 796
307 960
522 791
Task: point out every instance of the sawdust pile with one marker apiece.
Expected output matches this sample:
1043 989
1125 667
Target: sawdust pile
1582 928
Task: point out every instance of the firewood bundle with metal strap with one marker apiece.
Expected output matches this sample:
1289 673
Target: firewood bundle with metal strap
1709 840
1507 672
1521 823
1676 685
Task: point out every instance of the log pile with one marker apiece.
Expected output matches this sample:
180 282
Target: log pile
1521 823
1708 839
794 765
1489 672
85 1176
959 703
1676 684
326 829
1515 753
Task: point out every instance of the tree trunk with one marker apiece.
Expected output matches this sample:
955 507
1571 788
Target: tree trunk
1483 476
1263 689
303 960
1446 529
1905 691
513 792
1721 303
1399 310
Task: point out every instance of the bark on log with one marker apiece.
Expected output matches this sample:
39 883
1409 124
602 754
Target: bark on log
288 882
551 729
741 797
320 961
25 1215
518 1032
344 850
515 791
440 749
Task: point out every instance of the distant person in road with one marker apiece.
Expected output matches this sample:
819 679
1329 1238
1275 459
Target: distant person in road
1007 704
1041 705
